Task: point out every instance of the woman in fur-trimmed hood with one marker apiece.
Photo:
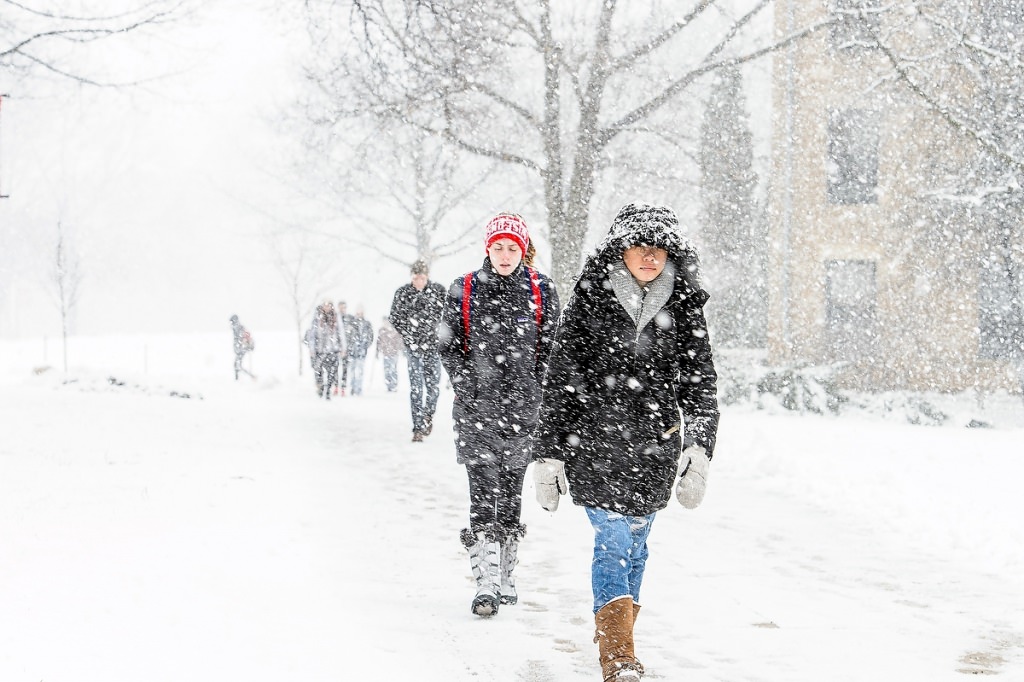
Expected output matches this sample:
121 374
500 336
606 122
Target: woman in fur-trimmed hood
630 384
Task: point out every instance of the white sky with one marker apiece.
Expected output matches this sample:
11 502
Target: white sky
164 188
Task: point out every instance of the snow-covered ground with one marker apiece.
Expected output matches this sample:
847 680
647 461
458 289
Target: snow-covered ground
161 522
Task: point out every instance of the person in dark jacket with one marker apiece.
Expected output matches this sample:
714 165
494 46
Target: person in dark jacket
327 344
348 326
415 314
495 337
389 344
360 340
631 353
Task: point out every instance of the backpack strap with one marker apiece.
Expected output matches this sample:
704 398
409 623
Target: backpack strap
538 299
467 302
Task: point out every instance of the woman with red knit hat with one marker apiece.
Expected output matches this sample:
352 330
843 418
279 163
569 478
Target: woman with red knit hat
495 337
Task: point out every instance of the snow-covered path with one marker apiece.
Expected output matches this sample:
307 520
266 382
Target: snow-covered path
258 534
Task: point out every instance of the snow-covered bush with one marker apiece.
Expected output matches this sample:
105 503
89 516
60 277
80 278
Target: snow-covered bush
744 377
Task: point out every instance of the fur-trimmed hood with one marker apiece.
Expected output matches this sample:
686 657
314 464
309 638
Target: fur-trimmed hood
649 225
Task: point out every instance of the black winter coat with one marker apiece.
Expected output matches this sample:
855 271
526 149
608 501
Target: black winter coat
612 397
416 314
361 337
497 372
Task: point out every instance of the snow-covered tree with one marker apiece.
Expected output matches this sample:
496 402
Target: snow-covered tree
560 92
733 240
307 268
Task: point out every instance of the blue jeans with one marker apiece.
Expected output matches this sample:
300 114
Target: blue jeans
620 554
424 386
391 371
355 373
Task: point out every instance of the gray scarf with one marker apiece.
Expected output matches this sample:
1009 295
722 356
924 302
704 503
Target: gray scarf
642 303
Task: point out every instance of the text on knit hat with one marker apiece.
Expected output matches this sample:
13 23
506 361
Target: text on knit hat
507 226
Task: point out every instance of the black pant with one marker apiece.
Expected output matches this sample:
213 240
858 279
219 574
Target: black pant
325 369
495 493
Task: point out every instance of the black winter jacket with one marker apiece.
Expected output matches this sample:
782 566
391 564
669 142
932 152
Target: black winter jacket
612 397
361 337
416 314
497 372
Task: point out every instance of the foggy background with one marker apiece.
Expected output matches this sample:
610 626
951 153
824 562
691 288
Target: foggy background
850 172
167 189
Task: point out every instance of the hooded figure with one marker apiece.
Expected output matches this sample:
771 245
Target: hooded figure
630 384
495 336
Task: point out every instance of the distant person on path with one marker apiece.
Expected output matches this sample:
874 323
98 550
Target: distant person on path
389 345
243 344
631 352
327 343
347 324
415 314
497 330
358 346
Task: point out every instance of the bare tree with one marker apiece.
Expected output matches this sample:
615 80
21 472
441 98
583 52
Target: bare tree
562 91
306 268
429 188
65 278
61 39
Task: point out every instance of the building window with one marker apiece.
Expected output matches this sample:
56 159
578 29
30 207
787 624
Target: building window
1000 315
854 25
852 169
851 318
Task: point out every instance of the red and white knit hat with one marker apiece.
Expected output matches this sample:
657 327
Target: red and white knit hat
507 225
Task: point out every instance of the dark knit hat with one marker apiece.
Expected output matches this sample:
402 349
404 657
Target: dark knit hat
420 267
640 224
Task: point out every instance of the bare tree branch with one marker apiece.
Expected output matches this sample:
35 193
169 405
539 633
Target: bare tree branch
37 29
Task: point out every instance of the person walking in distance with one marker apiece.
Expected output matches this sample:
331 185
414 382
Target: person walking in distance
495 335
389 344
242 342
629 409
415 314
358 346
347 324
327 343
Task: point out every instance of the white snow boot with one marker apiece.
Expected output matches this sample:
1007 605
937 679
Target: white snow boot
483 558
509 559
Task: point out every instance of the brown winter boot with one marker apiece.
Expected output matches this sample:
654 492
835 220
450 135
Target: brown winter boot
636 614
615 641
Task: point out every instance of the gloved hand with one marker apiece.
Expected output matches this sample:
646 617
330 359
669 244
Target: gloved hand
693 476
549 479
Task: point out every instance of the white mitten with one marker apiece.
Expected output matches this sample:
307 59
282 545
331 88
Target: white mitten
693 476
549 480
